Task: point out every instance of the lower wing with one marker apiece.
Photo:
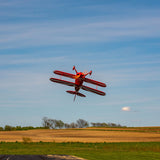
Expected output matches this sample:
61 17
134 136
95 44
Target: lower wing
69 75
62 82
86 88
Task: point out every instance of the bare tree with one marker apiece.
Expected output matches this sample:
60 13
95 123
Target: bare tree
73 125
82 123
66 125
59 124
49 123
45 122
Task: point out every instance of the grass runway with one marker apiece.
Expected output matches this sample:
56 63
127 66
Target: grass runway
90 151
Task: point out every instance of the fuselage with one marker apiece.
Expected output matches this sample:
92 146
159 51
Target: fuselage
79 77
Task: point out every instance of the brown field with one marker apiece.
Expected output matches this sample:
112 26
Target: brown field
138 134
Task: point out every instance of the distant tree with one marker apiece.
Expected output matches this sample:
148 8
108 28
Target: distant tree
52 123
66 125
40 128
112 125
27 127
96 124
99 124
73 125
59 124
1 128
118 125
82 123
93 124
45 123
18 128
48 123
104 124
8 128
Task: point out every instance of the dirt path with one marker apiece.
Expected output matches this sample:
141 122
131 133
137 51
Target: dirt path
39 157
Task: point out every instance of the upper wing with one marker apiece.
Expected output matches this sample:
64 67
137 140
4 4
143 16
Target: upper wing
95 82
93 90
62 82
64 74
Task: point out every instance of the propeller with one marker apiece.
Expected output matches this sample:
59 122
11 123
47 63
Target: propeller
76 76
74 97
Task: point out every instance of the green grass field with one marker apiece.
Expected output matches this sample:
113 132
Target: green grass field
90 151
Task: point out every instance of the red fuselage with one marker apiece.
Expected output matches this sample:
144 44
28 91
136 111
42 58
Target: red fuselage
79 77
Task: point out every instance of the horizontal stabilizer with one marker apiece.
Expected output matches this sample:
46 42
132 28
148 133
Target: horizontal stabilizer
76 93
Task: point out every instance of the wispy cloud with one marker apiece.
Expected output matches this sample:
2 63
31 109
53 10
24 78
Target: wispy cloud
28 59
21 80
53 33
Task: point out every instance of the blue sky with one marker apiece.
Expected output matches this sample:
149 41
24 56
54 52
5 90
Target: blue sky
118 40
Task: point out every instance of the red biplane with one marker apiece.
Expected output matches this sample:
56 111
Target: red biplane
79 77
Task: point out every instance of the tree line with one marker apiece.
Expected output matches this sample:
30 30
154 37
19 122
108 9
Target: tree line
58 124
48 123
18 128
80 123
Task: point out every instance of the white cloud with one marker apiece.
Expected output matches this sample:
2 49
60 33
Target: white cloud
126 109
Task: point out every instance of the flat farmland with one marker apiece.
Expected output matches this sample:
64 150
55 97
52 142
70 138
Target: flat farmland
90 135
